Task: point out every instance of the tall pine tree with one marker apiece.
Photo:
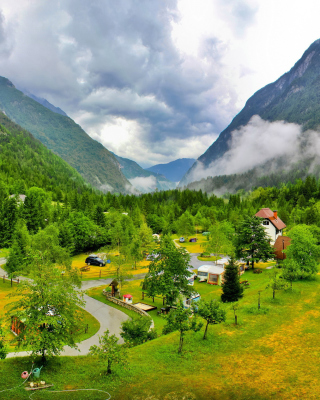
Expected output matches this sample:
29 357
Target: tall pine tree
231 288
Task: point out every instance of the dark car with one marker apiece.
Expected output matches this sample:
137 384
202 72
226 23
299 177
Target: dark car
95 260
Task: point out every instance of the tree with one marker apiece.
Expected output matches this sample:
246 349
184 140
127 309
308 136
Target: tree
231 288
8 219
168 274
33 209
276 282
48 300
185 224
303 252
252 242
219 241
181 319
211 312
109 351
121 275
18 256
136 251
235 308
137 331
291 271
3 348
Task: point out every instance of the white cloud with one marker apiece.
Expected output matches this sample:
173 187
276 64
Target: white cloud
255 144
144 184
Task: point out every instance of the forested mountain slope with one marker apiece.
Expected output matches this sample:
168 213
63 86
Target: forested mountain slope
64 137
25 162
293 98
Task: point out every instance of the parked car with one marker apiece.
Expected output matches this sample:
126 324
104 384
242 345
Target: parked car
182 240
95 260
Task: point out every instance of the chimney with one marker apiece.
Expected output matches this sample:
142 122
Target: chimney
275 214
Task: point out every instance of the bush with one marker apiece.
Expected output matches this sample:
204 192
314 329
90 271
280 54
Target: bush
137 331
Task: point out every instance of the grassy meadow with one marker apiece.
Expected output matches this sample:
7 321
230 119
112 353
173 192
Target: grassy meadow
273 353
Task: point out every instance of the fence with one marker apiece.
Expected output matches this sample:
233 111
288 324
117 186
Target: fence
6 278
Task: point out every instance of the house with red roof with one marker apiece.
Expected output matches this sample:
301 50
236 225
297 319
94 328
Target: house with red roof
272 223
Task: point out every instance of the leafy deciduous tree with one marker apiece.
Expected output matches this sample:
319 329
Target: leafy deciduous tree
137 331
168 274
109 351
182 320
252 242
211 312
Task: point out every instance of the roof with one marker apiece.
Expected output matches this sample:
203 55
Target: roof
204 268
268 214
212 269
127 296
216 270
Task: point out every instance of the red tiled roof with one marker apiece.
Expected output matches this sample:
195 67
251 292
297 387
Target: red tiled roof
267 213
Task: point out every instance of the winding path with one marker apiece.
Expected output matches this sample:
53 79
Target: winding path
109 318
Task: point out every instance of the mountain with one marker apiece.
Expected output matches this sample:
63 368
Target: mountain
173 170
25 162
45 103
64 137
293 98
143 180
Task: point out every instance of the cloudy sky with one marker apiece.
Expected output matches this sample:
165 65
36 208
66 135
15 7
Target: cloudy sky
153 80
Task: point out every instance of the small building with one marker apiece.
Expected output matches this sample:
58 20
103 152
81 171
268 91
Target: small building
127 298
206 233
192 240
280 245
272 223
203 273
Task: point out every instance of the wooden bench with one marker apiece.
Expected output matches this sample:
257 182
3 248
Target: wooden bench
85 268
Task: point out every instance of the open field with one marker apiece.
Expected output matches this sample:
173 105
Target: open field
197 247
109 270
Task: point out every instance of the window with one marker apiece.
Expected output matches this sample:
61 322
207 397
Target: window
213 278
265 222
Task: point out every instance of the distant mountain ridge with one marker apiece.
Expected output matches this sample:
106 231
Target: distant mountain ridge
45 103
174 170
293 98
64 137
143 180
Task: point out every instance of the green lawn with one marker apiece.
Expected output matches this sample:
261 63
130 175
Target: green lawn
272 354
